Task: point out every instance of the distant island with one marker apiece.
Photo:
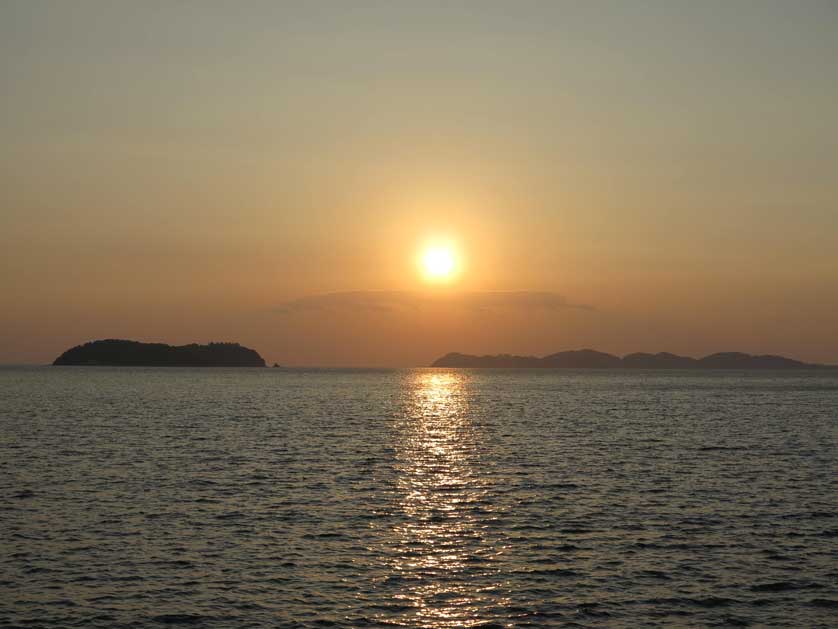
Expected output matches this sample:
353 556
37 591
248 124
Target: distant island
591 359
113 352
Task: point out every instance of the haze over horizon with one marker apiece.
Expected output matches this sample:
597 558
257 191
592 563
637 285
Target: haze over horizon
380 183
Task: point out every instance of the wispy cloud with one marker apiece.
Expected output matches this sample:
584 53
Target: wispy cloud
396 301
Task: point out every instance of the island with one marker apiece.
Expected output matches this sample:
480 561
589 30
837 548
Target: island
592 359
115 352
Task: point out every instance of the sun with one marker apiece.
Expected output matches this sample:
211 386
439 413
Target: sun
439 263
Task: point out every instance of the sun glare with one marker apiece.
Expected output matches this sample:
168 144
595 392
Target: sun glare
439 263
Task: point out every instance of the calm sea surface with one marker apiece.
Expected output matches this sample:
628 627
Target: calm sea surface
417 498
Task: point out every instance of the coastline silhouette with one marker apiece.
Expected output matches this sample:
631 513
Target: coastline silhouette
592 359
119 352
116 352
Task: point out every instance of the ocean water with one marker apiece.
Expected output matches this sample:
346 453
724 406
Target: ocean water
141 497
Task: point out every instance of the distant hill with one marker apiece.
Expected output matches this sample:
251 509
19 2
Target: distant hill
583 358
133 353
588 358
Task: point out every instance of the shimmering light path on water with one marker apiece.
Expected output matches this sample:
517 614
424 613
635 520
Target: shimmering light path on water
417 498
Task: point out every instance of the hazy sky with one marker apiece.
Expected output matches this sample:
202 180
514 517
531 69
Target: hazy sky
628 175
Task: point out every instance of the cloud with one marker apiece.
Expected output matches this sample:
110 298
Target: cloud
385 301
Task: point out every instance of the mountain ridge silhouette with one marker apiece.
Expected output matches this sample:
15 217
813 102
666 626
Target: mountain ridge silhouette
593 359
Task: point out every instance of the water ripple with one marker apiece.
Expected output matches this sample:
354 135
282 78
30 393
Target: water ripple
417 498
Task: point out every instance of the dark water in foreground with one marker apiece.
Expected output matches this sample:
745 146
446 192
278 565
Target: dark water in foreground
425 498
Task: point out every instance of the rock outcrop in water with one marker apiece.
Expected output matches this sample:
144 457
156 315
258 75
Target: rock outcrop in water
133 353
588 359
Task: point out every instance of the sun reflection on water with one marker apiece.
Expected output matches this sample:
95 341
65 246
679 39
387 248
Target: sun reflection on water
442 548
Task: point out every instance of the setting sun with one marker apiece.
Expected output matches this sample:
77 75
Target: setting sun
439 263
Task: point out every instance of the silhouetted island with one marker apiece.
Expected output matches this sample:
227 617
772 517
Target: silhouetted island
588 358
114 352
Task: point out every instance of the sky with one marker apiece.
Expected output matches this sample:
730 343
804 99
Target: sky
657 175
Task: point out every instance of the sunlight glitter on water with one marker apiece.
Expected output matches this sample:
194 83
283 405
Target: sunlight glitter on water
442 537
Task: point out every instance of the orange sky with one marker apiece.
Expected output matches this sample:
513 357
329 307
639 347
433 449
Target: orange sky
625 178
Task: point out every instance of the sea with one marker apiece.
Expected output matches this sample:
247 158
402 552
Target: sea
152 497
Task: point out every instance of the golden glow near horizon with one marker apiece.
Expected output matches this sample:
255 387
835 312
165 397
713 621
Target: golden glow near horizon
280 155
439 263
